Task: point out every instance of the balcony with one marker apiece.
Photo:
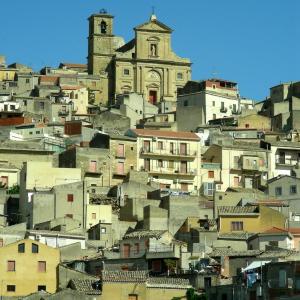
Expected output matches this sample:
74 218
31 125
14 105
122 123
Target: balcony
223 110
63 112
118 173
175 153
286 162
235 112
172 172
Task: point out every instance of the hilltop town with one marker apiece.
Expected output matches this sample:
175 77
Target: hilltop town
126 178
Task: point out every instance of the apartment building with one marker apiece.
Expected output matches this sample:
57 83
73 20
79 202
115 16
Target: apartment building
235 166
284 157
200 102
172 159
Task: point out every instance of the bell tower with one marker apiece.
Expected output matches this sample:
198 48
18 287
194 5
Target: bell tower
101 40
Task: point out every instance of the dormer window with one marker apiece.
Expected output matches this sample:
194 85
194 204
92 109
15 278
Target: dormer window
103 27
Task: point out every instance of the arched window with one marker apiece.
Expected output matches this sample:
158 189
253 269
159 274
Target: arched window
103 27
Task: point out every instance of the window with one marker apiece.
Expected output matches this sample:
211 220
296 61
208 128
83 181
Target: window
103 230
103 27
213 86
70 197
278 191
69 216
94 216
293 189
209 188
10 288
11 265
237 226
25 102
273 243
35 248
214 103
160 145
132 297
27 80
171 164
21 248
247 125
121 150
179 76
222 105
42 288
185 103
136 248
220 197
160 163
126 72
211 174
214 116
41 266
42 105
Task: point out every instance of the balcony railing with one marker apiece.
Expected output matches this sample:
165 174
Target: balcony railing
168 152
223 110
286 161
172 172
63 112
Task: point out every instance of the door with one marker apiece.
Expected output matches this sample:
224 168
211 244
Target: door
183 167
172 148
120 168
183 148
147 164
184 187
153 97
236 181
126 250
146 146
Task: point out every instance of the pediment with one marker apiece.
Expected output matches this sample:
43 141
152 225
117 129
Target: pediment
153 25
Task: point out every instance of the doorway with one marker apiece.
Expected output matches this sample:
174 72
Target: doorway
153 97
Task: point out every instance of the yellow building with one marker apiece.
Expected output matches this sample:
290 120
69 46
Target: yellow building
26 267
256 218
137 285
172 159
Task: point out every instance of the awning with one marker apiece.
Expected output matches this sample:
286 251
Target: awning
255 265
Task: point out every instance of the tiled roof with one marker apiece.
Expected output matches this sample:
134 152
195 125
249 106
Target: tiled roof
145 233
278 253
124 276
168 282
48 78
166 134
70 87
72 65
272 203
85 285
238 210
230 252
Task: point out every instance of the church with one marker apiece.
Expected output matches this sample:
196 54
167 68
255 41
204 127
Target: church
145 65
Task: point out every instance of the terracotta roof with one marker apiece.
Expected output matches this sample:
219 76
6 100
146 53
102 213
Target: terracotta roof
235 236
166 134
294 230
70 87
238 210
48 79
278 253
275 203
124 276
145 233
168 282
275 230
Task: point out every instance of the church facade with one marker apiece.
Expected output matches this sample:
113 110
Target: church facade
145 65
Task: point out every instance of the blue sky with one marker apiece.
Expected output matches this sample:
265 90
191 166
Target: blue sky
253 42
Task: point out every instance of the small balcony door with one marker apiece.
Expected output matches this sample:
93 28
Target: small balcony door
147 164
120 168
183 149
121 150
147 146
183 167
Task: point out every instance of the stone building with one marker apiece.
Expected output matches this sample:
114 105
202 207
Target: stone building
145 65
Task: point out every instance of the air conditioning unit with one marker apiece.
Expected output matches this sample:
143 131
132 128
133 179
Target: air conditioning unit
154 139
38 237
